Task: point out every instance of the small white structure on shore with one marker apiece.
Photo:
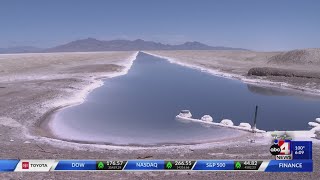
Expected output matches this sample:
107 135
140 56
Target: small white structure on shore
207 118
227 122
245 125
185 113
313 124
316 127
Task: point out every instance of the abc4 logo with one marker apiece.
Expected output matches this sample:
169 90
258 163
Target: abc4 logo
281 147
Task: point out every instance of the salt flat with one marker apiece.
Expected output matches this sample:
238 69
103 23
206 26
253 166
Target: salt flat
33 66
33 85
236 64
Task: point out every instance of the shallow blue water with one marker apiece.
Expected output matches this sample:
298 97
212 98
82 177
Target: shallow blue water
140 107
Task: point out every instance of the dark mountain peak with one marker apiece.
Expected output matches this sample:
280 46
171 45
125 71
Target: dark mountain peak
194 45
192 42
139 40
87 40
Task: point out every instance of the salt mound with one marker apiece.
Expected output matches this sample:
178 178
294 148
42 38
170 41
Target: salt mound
318 120
314 124
185 113
207 118
246 125
227 122
300 56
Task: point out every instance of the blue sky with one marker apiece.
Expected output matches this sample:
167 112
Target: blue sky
258 25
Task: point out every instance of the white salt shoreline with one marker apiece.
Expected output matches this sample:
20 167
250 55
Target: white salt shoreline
96 82
264 137
244 79
80 96
297 135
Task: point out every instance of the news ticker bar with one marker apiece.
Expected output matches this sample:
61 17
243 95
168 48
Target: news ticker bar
11 165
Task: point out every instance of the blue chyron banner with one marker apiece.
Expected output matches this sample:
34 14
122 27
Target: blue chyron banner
289 166
8 165
300 165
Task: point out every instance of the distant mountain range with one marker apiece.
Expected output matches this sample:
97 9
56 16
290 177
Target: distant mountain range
91 44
